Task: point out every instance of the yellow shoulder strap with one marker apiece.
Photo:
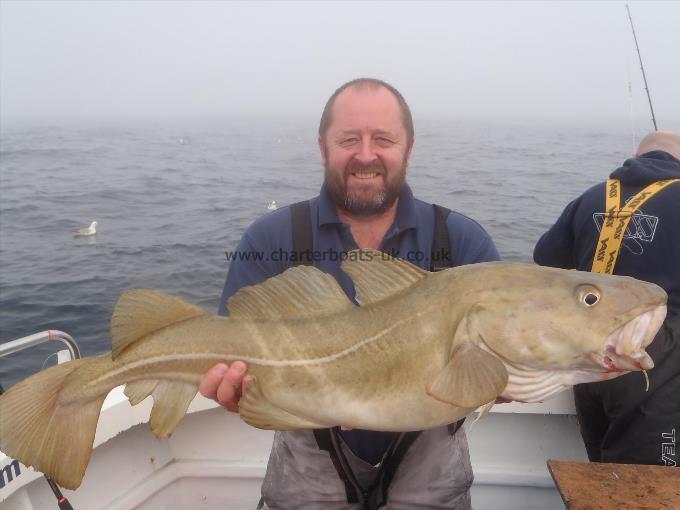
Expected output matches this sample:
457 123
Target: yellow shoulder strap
616 222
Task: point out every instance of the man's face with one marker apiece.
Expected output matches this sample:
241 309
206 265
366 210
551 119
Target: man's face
365 151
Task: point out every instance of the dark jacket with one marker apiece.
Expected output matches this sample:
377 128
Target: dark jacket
651 247
620 419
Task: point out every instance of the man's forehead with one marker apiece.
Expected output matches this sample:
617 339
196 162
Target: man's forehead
364 103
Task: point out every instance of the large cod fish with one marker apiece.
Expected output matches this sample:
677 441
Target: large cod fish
422 350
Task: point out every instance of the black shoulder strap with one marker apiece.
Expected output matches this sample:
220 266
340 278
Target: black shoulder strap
379 492
327 440
301 220
441 258
374 497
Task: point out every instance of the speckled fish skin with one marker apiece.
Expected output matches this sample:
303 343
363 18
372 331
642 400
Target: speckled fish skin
423 350
363 366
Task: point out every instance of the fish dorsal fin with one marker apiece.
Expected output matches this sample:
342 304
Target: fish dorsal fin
471 378
139 312
298 292
377 275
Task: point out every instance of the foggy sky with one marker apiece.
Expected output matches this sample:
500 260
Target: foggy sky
505 61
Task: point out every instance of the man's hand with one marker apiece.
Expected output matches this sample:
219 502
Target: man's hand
223 383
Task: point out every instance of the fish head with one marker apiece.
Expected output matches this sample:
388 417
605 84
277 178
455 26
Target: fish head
585 326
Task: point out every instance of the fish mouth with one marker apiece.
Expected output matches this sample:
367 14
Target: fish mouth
624 349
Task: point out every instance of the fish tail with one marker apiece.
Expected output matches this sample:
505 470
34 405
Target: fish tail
40 431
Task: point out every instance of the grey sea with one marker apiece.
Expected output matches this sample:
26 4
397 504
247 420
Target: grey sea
171 197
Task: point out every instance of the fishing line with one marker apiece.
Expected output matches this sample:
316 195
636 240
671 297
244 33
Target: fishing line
47 359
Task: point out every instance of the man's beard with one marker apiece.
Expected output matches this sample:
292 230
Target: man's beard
354 202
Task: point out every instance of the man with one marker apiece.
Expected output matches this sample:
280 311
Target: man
365 138
630 225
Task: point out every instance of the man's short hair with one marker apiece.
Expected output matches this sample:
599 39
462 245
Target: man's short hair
372 83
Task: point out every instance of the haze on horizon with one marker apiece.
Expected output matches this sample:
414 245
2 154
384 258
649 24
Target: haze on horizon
504 61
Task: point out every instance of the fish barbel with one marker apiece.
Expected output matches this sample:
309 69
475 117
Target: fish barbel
423 349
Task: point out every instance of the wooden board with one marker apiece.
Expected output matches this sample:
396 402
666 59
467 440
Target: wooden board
600 486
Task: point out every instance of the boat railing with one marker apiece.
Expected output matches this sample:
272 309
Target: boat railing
50 335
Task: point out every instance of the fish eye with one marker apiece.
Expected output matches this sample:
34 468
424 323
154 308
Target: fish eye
590 299
589 295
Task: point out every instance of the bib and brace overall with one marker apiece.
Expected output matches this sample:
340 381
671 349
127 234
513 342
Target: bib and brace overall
368 487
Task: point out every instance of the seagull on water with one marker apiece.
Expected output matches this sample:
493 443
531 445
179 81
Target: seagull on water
89 231
272 206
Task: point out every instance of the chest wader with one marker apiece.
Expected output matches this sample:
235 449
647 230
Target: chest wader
329 440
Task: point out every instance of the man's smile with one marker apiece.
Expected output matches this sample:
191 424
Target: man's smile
364 175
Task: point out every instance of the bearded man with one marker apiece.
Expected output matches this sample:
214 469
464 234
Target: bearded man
366 138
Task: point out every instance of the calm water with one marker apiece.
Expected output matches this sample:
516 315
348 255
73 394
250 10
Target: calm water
171 198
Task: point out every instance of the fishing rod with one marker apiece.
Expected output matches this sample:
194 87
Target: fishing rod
642 68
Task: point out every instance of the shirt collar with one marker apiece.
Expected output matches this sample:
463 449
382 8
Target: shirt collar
406 211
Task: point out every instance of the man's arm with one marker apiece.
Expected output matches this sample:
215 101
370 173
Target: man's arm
555 248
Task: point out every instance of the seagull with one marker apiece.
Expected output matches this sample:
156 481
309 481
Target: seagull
272 206
89 231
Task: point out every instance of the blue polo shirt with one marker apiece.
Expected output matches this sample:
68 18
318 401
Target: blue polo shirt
266 249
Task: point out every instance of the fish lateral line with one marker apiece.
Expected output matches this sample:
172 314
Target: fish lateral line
217 357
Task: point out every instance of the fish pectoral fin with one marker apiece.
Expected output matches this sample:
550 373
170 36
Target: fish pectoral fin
136 391
259 412
377 275
298 292
139 312
471 378
171 400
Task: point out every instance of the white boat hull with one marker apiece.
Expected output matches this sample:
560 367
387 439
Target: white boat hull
215 461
